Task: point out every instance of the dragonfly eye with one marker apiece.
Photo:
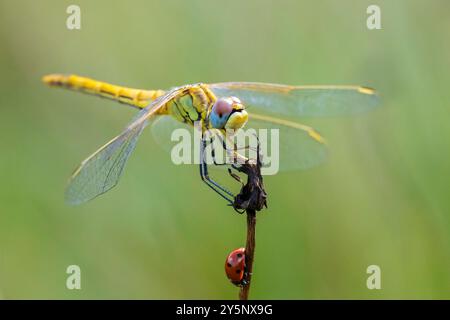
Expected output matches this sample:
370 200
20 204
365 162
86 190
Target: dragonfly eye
223 107
220 112
228 113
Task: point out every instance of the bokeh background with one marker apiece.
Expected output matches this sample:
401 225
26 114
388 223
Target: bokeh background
382 198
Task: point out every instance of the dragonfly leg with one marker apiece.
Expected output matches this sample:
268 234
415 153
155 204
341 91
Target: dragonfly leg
213 154
233 166
224 146
233 151
235 176
228 196
224 193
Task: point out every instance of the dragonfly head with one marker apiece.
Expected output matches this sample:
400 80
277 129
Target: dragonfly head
228 113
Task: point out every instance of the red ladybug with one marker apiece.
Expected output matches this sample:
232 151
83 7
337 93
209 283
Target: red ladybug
235 266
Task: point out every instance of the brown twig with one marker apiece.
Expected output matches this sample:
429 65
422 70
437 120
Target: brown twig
249 253
252 198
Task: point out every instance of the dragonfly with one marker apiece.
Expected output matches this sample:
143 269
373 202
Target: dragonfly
218 106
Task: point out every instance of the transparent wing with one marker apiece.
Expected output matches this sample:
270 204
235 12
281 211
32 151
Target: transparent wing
299 101
101 171
164 129
292 146
287 145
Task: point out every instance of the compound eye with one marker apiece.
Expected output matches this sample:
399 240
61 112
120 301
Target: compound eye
222 107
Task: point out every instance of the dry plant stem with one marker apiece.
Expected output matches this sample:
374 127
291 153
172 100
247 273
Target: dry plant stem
249 252
252 198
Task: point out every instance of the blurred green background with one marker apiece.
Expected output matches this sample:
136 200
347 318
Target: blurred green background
382 198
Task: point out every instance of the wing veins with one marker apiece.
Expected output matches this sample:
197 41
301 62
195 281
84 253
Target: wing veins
77 193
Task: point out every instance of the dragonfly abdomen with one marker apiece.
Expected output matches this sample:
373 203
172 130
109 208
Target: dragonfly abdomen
135 97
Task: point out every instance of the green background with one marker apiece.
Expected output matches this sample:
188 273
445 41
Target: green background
382 198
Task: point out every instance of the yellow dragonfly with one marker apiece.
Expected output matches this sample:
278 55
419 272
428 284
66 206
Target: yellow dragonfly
219 106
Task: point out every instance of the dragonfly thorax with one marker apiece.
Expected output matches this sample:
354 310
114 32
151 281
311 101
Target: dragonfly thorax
198 103
189 107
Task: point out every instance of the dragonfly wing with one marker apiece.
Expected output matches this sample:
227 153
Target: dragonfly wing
299 101
101 171
297 147
183 141
164 128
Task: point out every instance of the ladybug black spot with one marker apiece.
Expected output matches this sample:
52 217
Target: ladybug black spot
238 271
229 265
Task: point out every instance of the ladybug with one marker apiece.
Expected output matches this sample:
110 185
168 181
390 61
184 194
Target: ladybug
235 266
